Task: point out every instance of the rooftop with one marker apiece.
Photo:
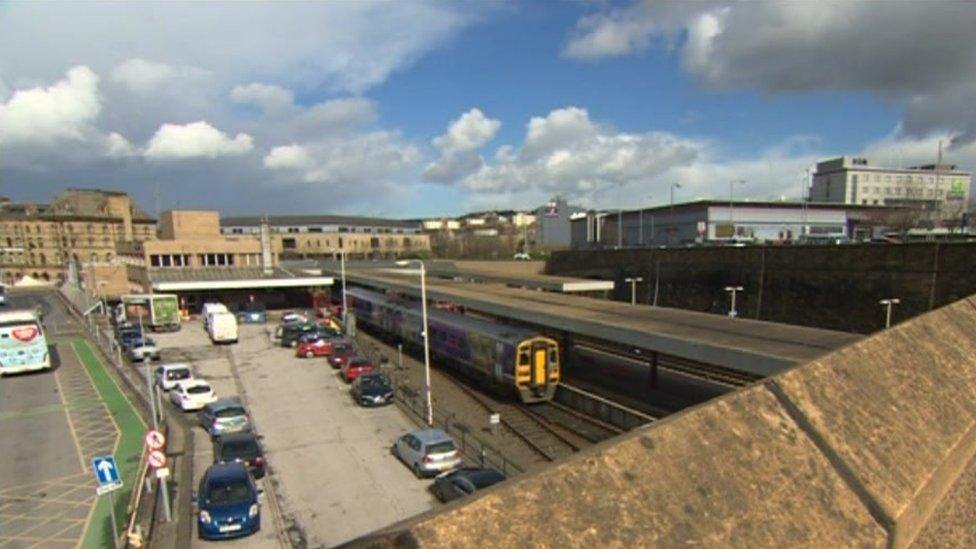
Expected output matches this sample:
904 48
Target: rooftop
219 278
300 220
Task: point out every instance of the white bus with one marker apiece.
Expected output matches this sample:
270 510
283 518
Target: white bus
23 346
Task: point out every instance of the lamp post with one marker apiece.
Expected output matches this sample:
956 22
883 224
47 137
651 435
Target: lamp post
671 211
641 225
733 290
888 304
342 270
423 306
633 288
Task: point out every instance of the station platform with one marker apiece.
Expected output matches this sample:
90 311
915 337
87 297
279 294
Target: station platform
753 347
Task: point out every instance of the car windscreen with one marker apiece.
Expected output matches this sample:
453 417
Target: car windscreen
182 373
255 308
240 449
341 348
233 491
198 389
230 412
359 363
441 447
483 479
375 381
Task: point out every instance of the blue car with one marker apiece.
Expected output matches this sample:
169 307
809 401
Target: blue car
253 313
228 502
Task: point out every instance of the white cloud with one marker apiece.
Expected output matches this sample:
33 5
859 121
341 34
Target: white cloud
44 115
567 153
142 76
195 140
117 146
458 144
921 55
271 98
287 157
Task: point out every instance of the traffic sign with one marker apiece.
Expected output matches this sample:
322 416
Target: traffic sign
155 440
162 472
494 419
157 459
106 472
102 490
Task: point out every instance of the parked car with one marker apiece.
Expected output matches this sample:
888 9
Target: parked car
192 394
355 367
129 336
427 452
319 347
227 502
208 310
242 447
168 375
522 256
224 416
372 389
464 482
142 349
253 313
294 317
291 333
341 353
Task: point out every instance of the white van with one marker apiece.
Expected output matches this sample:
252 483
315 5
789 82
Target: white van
222 327
209 309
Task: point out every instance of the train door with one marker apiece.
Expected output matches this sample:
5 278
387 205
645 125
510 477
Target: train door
540 364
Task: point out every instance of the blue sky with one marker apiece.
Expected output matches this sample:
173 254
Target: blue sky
425 108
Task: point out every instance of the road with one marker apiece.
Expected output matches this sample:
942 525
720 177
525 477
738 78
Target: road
51 423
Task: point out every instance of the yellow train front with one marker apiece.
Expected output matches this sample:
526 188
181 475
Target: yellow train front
536 369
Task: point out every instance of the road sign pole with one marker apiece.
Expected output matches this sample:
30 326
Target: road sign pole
151 397
164 493
115 526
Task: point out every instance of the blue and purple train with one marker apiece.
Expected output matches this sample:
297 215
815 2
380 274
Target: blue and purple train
502 355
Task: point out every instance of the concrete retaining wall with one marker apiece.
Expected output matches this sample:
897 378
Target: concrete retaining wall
857 448
834 287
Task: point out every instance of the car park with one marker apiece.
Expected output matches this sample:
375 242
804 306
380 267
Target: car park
242 447
372 389
341 353
142 349
192 394
464 481
427 452
253 313
355 367
168 375
224 416
227 502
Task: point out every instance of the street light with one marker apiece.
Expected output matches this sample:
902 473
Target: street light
641 225
671 211
342 269
423 306
887 304
733 290
633 288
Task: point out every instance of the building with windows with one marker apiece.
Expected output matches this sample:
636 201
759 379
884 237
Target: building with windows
328 235
553 223
70 237
721 222
941 191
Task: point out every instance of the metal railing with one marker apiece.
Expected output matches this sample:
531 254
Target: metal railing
474 449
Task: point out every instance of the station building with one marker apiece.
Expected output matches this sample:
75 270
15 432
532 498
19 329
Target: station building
321 236
724 222
76 233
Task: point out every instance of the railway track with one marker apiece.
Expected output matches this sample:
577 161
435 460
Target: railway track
715 374
547 439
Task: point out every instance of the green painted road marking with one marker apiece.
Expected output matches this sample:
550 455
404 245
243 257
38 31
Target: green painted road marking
77 404
127 451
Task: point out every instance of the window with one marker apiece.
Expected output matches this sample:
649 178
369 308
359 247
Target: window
374 242
288 243
154 260
315 229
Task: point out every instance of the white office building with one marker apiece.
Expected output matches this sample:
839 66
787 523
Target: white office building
941 189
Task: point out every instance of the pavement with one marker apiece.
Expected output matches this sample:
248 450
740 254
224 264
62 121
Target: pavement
332 478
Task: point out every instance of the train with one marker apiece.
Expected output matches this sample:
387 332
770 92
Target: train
506 357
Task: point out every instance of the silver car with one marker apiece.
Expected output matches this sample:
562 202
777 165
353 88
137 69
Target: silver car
143 349
427 452
226 415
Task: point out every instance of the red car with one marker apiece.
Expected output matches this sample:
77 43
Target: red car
310 349
341 353
355 367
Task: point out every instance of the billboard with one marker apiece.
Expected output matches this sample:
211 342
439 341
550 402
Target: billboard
552 209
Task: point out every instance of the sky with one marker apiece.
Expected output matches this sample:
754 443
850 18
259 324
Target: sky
421 108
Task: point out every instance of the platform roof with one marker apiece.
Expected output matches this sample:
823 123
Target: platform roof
751 346
175 280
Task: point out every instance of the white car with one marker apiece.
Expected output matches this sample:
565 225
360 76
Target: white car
142 350
192 394
168 375
522 256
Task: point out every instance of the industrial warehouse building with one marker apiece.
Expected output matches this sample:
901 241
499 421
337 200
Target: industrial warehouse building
710 221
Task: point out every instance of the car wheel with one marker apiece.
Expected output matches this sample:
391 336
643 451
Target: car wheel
309 354
416 471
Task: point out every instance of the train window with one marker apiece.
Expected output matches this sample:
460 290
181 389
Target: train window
523 358
553 358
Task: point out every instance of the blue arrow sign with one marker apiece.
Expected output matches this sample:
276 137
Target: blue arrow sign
105 470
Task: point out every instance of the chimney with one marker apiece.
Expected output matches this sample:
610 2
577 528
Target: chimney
266 263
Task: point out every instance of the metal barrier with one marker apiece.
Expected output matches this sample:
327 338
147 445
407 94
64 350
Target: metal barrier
600 408
411 401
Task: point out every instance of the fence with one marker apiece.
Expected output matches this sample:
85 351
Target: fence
413 402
